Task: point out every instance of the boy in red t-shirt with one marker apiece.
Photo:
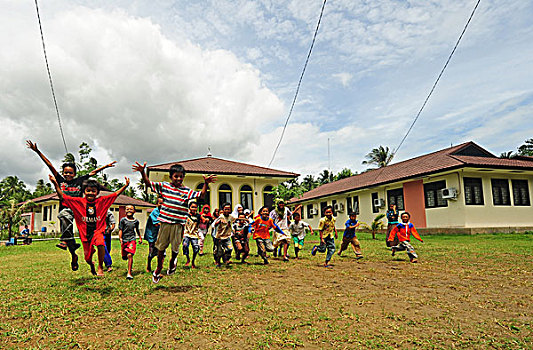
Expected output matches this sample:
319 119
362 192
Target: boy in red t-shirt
90 214
261 233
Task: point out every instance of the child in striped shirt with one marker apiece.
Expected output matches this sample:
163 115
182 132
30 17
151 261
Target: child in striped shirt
173 213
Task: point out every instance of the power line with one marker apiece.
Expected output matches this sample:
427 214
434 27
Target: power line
299 83
438 78
433 87
50 77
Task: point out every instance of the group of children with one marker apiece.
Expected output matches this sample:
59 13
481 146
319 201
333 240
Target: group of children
176 222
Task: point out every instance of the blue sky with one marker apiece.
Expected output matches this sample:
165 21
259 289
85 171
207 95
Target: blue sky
164 80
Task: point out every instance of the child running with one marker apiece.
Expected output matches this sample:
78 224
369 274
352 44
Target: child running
90 213
203 226
223 225
327 230
404 230
173 212
241 233
109 228
150 233
127 227
297 229
71 186
261 233
191 236
349 236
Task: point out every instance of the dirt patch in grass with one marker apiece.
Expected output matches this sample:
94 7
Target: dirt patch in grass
468 299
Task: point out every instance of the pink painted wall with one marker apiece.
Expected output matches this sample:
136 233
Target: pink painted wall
413 197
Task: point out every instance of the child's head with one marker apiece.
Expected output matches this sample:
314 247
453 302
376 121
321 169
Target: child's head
216 212
206 209
91 188
247 212
240 209
242 218
193 208
328 211
68 171
353 216
159 202
405 217
226 209
177 174
130 210
281 205
296 217
264 211
25 226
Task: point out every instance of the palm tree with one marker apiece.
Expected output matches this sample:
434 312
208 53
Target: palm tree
526 149
507 155
344 173
325 176
309 182
380 156
11 214
375 226
12 187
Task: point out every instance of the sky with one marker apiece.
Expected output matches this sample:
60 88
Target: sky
162 81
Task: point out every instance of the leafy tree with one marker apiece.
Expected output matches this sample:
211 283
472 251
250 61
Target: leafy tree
325 177
12 187
526 149
11 214
374 226
507 155
379 157
308 183
344 173
287 190
42 188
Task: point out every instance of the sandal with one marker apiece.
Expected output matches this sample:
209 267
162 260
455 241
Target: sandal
74 263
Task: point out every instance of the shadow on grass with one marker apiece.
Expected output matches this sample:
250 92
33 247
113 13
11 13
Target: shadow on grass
175 289
82 281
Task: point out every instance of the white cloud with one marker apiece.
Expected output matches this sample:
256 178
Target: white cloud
127 88
343 77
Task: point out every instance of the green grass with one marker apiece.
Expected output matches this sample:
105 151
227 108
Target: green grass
466 292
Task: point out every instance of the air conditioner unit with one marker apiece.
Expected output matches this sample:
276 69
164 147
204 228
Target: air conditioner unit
379 203
449 193
339 207
314 211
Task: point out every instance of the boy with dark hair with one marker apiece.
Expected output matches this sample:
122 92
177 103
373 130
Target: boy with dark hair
150 233
224 228
241 233
109 228
327 230
127 227
297 229
89 213
261 233
349 236
191 236
392 218
173 214
404 230
70 185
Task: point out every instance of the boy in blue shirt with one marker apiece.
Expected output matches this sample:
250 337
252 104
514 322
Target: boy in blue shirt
349 236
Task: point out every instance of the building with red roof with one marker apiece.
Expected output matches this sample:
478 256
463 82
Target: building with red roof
464 188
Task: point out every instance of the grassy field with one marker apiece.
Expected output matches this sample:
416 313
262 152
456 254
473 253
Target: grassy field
467 292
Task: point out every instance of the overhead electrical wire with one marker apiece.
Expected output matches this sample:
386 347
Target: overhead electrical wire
50 77
434 85
299 84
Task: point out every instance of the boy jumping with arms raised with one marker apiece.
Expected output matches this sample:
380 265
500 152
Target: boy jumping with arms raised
90 214
173 213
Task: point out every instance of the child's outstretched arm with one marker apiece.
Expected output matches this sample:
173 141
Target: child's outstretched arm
416 235
33 147
139 233
123 188
207 180
96 171
140 168
56 185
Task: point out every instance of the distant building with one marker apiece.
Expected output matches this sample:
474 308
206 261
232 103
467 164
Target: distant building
237 183
464 188
44 213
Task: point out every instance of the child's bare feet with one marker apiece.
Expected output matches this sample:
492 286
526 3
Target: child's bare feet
74 263
100 271
193 266
110 268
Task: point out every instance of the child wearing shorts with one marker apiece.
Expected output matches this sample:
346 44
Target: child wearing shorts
241 232
89 214
261 233
127 228
224 232
297 229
